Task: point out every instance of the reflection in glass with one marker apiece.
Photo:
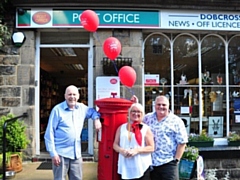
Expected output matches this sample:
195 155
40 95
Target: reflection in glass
234 82
186 80
234 61
213 59
185 58
157 61
213 82
157 56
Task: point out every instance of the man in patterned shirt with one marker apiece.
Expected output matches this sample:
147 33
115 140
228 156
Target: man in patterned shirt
170 138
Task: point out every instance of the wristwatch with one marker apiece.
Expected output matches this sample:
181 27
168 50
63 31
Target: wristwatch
176 160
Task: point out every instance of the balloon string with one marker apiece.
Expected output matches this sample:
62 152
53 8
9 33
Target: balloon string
131 91
97 37
115 66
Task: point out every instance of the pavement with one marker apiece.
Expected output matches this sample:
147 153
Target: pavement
30 172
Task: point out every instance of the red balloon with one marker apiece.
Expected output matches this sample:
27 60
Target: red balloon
127 76
90 21
112 47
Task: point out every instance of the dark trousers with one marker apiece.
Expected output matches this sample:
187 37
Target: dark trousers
146 176
167 171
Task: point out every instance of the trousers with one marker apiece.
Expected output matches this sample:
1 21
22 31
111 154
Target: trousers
146 176
168 171
68 167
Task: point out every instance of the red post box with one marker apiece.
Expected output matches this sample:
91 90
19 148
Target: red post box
114 113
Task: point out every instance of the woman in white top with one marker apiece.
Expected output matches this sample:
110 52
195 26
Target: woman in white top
134 143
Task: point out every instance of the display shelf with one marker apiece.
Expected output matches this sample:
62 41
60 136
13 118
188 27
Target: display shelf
49 97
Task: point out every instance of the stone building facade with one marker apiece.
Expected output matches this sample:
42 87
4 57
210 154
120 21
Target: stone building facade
18 83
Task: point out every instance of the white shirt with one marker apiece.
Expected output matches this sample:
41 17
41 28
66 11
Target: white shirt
133 167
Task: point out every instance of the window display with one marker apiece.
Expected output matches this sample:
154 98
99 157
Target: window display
198 101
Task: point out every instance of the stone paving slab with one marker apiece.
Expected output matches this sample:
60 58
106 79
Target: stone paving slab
30 172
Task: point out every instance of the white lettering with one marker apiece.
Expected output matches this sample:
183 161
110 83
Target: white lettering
128 18
76 16
107 18
115 17
121 18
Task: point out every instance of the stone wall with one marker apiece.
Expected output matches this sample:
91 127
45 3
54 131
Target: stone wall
17 83
223 168
222 161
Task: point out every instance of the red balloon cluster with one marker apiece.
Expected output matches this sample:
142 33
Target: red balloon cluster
111 47
90 21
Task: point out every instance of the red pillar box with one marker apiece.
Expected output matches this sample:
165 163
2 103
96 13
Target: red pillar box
114 112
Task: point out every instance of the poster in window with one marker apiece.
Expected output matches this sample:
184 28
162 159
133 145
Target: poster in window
237 118
236 105
215 128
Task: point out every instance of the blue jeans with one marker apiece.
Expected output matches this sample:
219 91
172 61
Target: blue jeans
168 171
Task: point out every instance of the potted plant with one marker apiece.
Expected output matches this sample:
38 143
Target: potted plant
233 139
16 141
191 153
187 164
200 140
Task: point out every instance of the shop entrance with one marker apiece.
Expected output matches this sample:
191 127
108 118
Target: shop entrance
59 68
62 63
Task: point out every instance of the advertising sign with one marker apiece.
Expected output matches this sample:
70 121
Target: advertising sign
54 18
145 19
151 79
107 86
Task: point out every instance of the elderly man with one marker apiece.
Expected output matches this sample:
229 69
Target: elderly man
62 137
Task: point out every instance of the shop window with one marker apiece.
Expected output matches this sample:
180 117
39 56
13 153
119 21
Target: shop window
190 70
186 91
234 82
157 64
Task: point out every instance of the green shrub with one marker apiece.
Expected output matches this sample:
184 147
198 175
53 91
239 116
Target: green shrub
16 137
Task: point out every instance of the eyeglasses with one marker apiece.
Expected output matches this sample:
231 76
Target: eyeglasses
136 112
